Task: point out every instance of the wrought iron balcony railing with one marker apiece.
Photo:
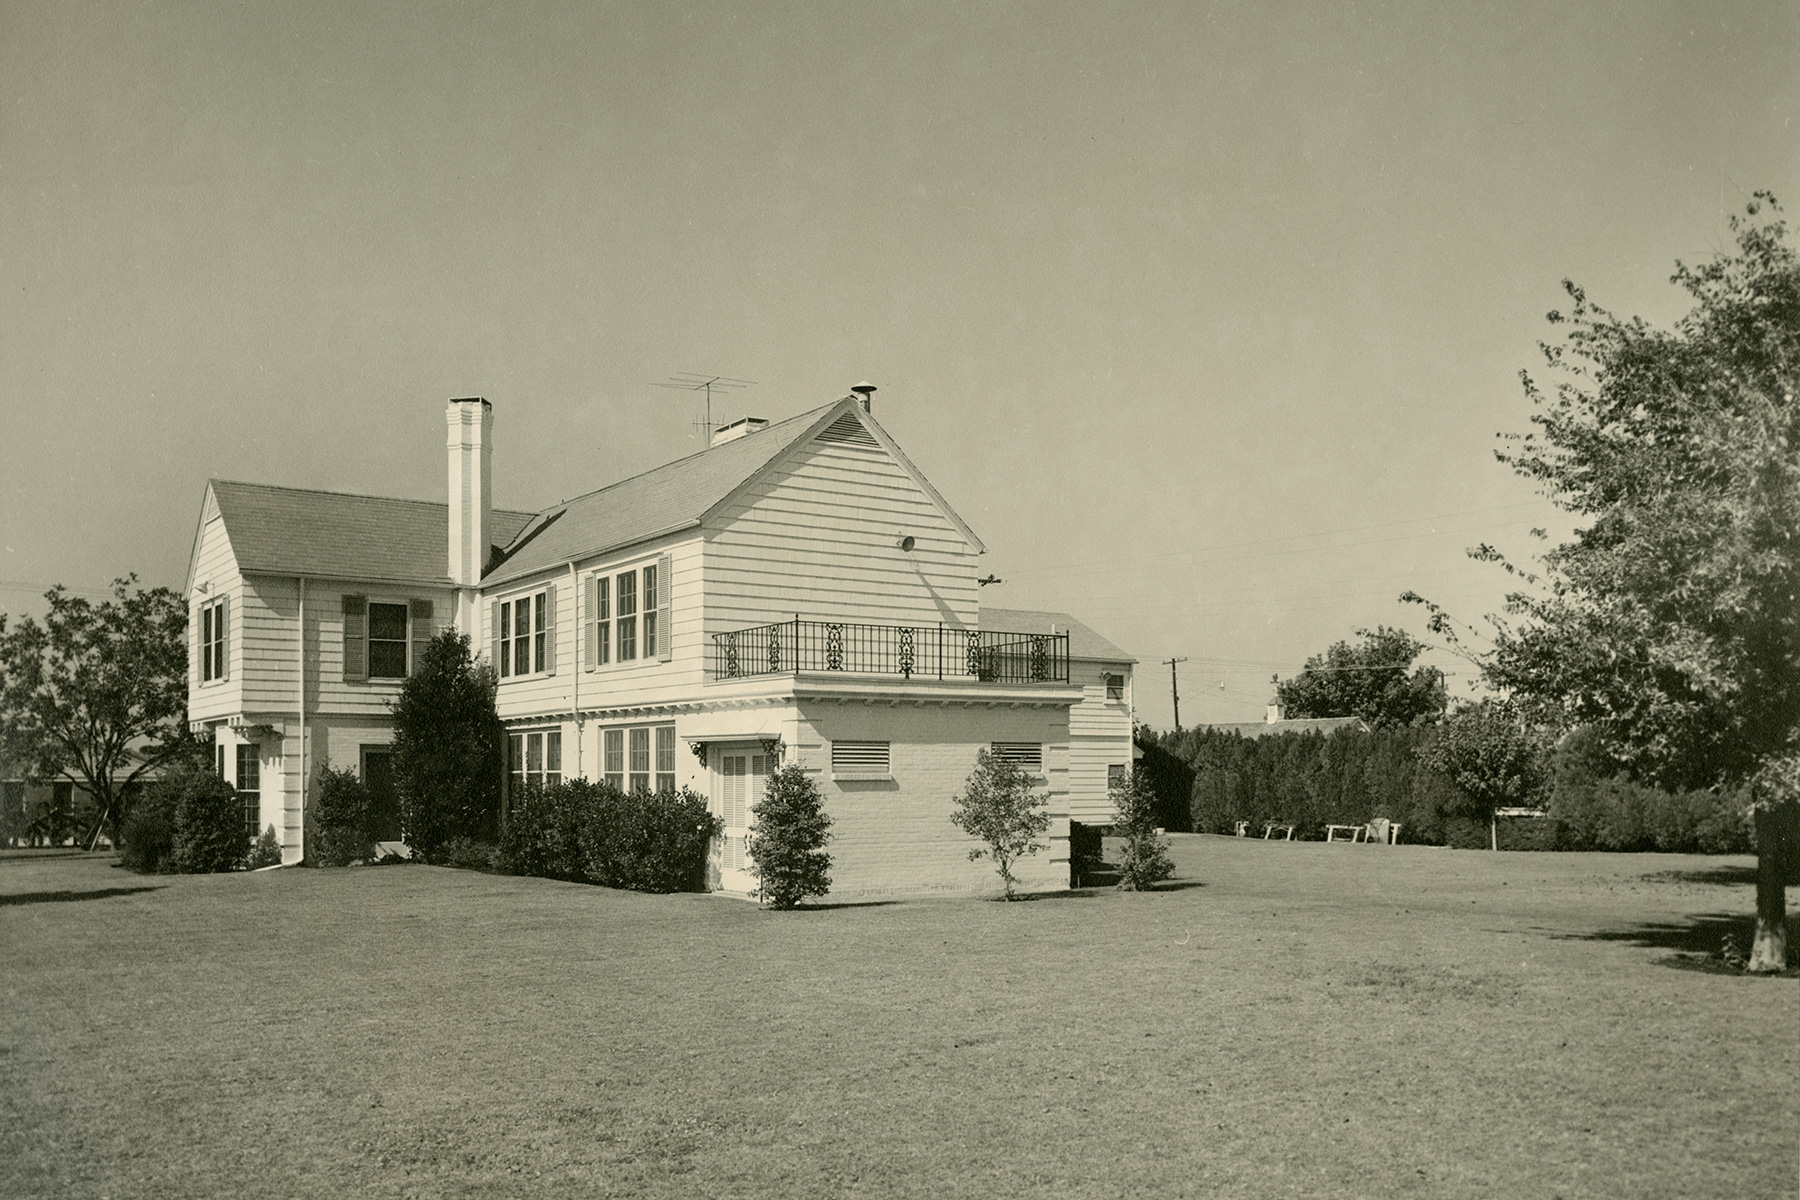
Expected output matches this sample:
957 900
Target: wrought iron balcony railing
910 651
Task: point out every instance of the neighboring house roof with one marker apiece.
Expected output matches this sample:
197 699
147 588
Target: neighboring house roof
1083 642
1256 729
339 535
678 495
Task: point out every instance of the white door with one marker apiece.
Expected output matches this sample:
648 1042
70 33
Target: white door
742 778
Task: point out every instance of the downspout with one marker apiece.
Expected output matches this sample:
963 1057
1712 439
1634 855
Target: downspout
301 664
577 664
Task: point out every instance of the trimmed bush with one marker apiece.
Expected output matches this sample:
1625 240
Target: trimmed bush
468 854
447 749
209 823
587 832
1145 858
342 836
787 843
1617 814
266 852
147 835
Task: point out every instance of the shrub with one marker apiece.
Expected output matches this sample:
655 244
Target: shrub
649 841
266 852
209 823
147 835
447 748
998 807
343 820
589 832
1145 859
787 843
1617 814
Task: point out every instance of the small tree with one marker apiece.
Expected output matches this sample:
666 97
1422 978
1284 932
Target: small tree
342 836
1492 756
1146 857
998 807
447 748
787 843
209 821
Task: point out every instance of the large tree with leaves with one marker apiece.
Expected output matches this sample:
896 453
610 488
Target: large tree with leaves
1374 680
447 748
97 690
1668 624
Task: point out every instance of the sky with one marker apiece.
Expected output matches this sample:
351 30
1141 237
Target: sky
1204 316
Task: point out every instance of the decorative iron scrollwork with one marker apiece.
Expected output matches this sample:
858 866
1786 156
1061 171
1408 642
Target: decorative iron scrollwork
834 647
906 651
774 647
774 748
699 749
731 655
1040 657
974 651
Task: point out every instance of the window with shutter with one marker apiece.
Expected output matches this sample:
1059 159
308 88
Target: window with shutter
496 639
387 641
356 637
626 618
546 637
215 643
650 599
665 649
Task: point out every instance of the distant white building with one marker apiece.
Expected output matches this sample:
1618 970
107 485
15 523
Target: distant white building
796 592
1277 721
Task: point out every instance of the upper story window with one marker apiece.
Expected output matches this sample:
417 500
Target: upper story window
214 649
525 634
626 615
1115 686
385 638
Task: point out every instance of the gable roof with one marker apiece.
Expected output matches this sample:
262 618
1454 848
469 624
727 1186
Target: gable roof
340 535
1256 729
680 495
1083 642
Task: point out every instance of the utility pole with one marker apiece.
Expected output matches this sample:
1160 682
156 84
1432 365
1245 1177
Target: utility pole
1175 692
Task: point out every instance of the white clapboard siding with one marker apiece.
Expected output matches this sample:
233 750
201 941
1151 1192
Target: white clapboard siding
1099 737
216 567
817 538
639 682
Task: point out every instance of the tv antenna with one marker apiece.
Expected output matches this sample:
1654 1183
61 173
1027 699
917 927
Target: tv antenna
700 381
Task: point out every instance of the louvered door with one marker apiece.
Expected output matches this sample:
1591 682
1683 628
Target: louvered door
742 778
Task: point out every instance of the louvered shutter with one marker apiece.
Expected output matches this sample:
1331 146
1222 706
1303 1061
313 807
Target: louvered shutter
590 627
225 638
548 666
422 632
356 637
494 634
194 647
666 581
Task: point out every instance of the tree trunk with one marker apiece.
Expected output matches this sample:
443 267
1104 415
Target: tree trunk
1777 855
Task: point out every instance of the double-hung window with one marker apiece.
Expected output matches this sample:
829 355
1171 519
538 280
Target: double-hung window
384 639
533 760
627 618
525 634
639 758
1115 686
600 636
249 787
649 574
213 644
387 641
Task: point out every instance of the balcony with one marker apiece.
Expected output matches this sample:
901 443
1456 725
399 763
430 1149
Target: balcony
909 651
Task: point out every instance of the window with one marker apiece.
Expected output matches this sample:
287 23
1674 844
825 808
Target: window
1115 776
640 758
524 632
649 612
613 759
627 618
533 760
1115 687
1028 756
212 640
859 760
387 641
249 787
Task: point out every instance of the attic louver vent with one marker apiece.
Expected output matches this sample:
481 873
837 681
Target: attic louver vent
848 431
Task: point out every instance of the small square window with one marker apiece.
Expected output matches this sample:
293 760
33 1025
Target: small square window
1115 687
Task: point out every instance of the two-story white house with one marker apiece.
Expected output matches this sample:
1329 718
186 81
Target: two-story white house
796 592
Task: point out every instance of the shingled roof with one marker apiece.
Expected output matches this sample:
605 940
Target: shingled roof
674 496
1083 642
339 535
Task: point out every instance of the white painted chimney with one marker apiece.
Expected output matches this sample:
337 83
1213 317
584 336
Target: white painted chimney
1276 712
742 427
471 445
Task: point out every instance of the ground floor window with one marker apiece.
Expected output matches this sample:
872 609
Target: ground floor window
639 758
249 787
533 760
1115 776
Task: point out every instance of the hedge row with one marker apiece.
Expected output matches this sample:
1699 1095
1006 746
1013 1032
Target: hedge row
594 833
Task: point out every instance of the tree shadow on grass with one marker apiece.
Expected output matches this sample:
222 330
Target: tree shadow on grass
1697 942
1727 876
810 907
1095 890
63 897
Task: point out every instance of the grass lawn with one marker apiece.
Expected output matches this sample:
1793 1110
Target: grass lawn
1287 1019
